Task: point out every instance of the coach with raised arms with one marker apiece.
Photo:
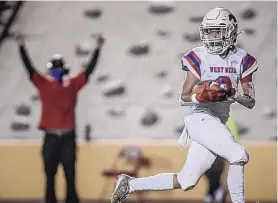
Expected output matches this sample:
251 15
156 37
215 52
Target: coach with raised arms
58 93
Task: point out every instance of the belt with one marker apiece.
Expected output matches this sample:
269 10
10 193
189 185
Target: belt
58 132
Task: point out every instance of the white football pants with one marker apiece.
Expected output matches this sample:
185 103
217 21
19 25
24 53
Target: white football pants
209 138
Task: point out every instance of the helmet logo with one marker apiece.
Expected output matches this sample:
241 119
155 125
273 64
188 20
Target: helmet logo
232 17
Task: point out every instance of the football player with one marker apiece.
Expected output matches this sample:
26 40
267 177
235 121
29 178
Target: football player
217 67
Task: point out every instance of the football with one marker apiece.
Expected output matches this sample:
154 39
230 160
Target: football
208 91
205 85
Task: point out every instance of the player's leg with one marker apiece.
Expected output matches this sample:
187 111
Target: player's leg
199 159
220 141
216 192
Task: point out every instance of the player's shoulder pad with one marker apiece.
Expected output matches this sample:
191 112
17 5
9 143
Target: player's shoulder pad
248 64
191 61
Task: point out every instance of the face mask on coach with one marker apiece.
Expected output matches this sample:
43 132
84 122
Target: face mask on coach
58 71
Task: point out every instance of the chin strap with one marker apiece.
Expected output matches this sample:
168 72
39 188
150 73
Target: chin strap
240 32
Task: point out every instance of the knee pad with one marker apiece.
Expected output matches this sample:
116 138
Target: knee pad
188 179
241 156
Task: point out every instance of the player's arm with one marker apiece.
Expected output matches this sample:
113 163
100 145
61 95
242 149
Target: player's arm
190 63
94 58
247 98
186 98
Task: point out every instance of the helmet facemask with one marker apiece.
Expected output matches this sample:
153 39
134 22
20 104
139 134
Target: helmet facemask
217 39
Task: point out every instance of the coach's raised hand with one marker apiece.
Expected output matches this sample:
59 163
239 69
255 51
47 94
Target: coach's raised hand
100 41
94 57
24 55
20 40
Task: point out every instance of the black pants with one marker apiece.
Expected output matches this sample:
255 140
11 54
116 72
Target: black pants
60 149
214 175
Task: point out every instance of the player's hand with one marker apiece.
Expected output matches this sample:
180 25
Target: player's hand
226 84
209 95
20 39
233 94
100 41
219 94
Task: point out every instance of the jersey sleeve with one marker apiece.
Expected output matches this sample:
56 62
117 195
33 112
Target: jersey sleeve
79 81
37 79
249 65
191 62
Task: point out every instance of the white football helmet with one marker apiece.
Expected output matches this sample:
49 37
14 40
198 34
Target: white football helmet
218 30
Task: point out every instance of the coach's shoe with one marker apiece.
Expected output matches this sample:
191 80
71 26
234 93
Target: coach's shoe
122 189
